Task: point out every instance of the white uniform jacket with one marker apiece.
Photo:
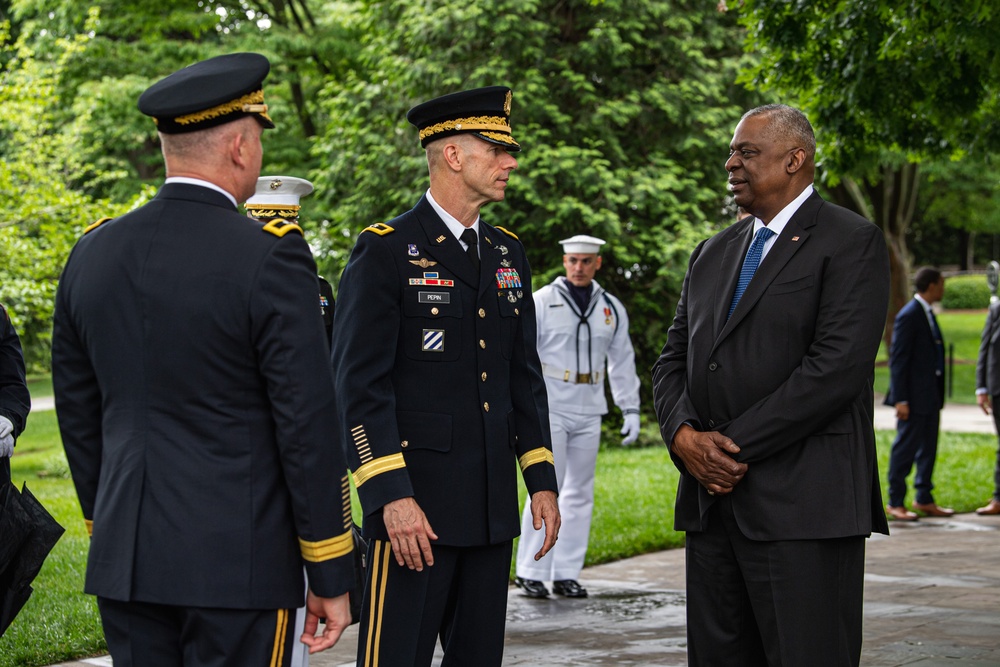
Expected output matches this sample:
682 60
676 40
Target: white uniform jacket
578 349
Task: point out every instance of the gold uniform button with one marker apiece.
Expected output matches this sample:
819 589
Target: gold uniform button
482 312
482 343
434 311
517 311
484 377
405 443
486 406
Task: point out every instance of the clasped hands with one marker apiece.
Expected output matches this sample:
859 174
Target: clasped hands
708 456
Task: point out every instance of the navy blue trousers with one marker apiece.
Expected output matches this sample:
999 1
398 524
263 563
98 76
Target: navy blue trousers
916 443
143 634
461 600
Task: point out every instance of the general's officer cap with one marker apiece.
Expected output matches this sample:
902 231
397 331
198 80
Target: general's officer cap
209 93
483 112
277 197
581 243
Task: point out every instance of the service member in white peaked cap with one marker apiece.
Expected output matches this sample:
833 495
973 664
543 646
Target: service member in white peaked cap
582 336
277 199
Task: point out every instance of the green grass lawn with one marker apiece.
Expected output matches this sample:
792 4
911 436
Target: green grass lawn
962 328
58 622
633 514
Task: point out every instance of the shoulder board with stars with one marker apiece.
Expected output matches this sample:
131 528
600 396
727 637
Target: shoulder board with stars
379 228
91 227
279 227
508 233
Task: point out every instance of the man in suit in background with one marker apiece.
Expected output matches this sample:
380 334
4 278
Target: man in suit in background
441 396
195 402
988 390
764 397
916 389
15 401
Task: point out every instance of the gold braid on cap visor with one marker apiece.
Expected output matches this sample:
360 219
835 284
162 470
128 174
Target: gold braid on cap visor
249 103
474 124
286 211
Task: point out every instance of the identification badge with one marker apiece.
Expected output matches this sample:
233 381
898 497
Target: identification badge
433 297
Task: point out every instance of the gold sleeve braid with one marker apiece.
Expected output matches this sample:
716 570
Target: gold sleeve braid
540 455
378 466
335 547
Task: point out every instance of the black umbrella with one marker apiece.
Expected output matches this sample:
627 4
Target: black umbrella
27 534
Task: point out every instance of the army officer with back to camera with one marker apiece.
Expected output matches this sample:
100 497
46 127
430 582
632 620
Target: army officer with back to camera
188 361
440 391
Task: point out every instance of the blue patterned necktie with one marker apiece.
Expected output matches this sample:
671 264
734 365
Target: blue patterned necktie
750 265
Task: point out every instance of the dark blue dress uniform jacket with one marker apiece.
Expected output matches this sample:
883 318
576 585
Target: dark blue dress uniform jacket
439 387
196 408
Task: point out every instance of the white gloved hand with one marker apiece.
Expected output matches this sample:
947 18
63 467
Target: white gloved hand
631 428
6 427
7 446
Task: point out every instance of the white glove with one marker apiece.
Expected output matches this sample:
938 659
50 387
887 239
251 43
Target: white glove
7 446
6 427
631 428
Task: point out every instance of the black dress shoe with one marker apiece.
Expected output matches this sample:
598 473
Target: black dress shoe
570 588
532 588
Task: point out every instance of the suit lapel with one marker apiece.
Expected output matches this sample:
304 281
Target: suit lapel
792 238
490 256
729 273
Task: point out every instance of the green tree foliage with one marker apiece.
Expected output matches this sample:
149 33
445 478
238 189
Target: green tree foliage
43 216
889 85
625 109
74 146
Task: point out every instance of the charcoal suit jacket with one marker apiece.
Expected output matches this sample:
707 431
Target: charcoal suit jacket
788 377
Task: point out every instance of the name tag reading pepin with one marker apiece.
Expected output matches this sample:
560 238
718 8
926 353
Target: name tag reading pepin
433 297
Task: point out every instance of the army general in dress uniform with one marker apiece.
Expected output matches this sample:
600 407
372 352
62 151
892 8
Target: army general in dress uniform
440 393
188 366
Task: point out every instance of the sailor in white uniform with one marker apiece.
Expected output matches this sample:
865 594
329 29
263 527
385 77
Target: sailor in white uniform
582 337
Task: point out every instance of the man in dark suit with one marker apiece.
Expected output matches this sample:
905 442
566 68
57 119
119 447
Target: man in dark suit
196 405
15 401
988 390
764 397
440 392
916 389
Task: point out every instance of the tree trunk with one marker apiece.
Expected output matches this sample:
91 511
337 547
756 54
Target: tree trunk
969 256
890 203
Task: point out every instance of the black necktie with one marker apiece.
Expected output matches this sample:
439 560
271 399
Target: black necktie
472 241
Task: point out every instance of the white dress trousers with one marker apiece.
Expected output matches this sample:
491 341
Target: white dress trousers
576 354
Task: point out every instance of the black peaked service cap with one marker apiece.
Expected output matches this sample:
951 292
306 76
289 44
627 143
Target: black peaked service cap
209 93
483 112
